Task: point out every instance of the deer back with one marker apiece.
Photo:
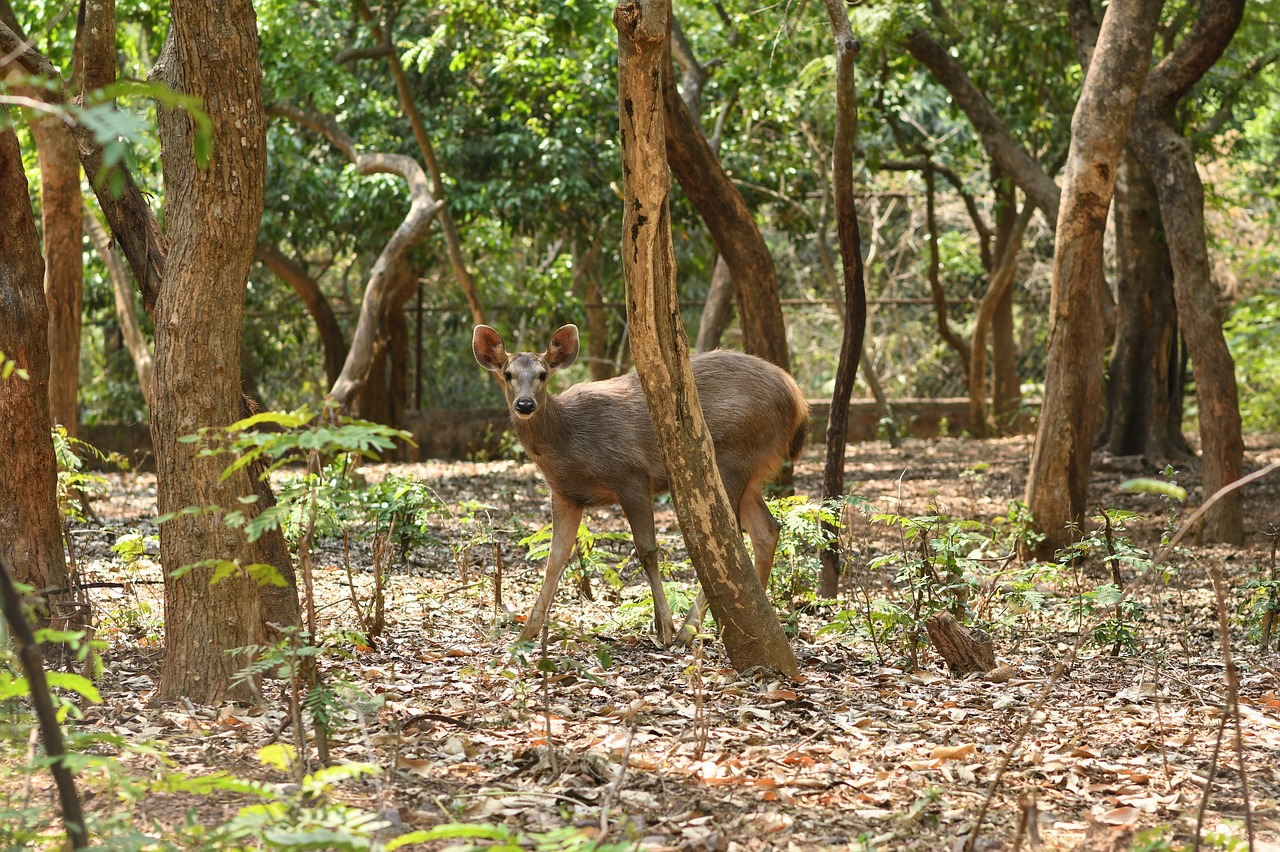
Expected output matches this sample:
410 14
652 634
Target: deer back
595 442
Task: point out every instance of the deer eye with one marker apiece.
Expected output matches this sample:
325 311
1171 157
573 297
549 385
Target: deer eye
542 377
506 375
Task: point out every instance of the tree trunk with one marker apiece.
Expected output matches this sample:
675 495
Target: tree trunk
855 291
749 627
1144 411
948 334
998 292
1167 158
30 526
733 229
1006 384
62 214
293 274
369 340
122 290
716 309
452 240
212 213
584 270
1058 483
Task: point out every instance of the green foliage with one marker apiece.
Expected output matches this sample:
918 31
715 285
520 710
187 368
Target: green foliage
9 367
1252 331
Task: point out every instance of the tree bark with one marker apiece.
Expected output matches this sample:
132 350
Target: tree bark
295 275
1058 483
1166 155
855 291
62 214
212 213
750 630
733 229
122 290
30 526
370 338
1144 400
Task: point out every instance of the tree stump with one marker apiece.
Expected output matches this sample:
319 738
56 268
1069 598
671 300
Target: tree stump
965 650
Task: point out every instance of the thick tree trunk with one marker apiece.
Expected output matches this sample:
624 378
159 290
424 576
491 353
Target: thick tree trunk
293 274
1167 158
1058 483
733 229
30 526
212 214
62 213
1144 410
122 290
855 291
749 627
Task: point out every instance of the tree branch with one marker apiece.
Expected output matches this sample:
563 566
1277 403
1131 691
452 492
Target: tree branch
1000 144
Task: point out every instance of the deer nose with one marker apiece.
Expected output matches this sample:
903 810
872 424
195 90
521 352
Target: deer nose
525 405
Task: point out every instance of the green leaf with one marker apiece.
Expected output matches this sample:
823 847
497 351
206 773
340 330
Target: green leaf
1154 486
78 684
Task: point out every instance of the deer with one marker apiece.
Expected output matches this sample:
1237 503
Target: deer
595 445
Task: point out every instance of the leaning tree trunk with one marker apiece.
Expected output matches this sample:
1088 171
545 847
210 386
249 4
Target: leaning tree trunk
749 627
1058 484
295 275
733 229
30 527
212 213
62 213
369 342
855 290
1144 400
1167 157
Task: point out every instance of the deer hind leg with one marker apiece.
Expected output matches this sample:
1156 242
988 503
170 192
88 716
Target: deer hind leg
565 518
763 530
639 512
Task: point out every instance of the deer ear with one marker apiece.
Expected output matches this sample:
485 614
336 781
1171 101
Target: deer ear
487 346
563 348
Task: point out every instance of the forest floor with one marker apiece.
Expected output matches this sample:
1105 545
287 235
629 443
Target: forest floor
669 749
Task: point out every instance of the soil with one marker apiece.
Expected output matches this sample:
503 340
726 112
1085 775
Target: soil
669 749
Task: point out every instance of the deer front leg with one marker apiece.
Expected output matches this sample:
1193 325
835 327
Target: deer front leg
639 512
565 518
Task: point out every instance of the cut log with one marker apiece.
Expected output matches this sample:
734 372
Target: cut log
965 649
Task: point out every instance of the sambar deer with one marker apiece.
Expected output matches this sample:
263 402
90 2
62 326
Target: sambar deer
596 446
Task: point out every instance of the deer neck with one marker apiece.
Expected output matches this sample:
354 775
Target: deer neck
541 434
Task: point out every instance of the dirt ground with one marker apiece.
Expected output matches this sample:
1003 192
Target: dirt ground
669 749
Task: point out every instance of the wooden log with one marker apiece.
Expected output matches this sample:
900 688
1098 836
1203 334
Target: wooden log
965 649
